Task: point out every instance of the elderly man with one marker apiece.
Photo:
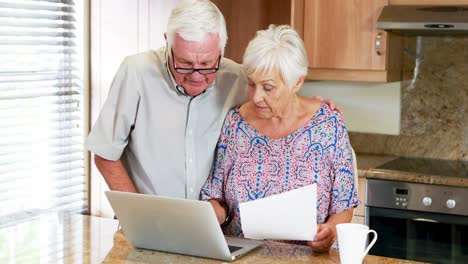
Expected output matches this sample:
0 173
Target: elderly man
158 129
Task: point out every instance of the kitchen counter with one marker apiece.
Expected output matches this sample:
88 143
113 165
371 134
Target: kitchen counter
65 238
367 168
368 162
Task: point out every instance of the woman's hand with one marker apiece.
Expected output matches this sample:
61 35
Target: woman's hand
326 232
324 238
220 210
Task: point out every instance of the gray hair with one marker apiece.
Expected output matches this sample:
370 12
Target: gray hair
193 19
280 49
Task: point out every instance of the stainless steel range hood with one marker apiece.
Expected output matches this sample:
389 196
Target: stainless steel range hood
424 20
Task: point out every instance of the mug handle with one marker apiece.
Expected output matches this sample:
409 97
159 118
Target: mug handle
370 244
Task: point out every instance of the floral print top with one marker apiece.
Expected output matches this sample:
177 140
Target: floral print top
248 165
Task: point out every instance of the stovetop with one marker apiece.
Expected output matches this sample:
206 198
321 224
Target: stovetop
453 168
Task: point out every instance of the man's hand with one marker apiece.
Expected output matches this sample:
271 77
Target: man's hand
114 174
324 238
329 103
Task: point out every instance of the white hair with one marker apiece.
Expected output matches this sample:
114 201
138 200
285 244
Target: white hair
193 19
277 49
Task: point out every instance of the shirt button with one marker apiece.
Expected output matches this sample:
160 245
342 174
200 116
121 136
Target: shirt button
191 190
190 160
190 131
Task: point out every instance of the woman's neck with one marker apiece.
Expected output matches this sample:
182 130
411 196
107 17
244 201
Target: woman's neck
295 114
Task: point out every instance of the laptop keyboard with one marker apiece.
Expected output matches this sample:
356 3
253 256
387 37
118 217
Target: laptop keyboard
233 248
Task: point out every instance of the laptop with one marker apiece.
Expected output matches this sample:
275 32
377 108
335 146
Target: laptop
187 227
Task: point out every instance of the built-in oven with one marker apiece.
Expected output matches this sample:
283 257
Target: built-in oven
414 221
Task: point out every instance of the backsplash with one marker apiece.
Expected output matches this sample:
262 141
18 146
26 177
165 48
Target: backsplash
434 103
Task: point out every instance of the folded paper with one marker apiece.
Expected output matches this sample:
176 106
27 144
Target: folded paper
290 215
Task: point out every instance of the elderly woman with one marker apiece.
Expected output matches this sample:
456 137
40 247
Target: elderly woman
279 141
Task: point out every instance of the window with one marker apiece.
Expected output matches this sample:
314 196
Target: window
42 165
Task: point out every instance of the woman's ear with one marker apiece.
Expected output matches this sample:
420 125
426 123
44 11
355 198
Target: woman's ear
299 84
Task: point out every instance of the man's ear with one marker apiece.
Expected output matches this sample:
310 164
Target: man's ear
165 38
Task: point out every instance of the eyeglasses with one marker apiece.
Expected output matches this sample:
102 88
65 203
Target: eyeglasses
203 71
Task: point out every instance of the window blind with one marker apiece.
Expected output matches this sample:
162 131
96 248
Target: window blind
41 108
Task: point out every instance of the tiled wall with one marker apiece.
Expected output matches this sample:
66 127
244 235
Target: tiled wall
434 106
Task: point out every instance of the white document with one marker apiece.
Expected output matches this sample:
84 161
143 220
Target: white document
287 216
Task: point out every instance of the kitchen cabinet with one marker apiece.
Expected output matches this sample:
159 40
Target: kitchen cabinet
245 17
359 212
428 2
340 36
344 44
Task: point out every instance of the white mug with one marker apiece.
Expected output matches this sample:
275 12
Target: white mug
352 240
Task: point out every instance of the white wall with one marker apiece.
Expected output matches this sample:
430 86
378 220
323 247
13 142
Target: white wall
119 28
366 107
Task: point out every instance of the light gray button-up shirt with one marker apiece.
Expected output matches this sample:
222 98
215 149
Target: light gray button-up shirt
165 140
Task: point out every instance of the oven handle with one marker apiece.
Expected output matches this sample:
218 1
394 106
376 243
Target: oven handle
372 212
425 220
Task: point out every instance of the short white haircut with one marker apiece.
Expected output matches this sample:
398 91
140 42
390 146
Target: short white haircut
193 19
277 49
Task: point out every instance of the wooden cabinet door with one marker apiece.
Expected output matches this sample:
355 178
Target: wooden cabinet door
245 17
340 38
359 212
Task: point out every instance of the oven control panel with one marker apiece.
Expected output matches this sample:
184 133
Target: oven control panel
417 196
401 197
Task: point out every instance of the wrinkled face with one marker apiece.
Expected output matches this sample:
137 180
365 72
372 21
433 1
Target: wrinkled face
197 55
269 94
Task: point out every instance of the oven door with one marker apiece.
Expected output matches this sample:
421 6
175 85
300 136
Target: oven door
413 235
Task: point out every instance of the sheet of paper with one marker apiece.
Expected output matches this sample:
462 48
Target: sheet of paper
287 216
